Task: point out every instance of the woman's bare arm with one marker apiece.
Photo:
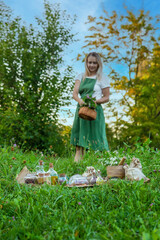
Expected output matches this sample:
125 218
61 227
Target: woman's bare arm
105 98
76 91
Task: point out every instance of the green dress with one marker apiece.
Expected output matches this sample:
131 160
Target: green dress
89 134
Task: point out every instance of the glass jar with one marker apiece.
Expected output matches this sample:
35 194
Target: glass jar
40 168
53 174
41 178
62 178
47 178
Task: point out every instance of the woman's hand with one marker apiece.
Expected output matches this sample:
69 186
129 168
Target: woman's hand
81 102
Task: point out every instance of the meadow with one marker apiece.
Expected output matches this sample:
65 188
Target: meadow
117 210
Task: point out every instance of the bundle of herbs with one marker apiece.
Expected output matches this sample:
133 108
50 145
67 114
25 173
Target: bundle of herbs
89 101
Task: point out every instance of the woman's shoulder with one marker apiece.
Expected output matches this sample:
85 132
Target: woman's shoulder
79 76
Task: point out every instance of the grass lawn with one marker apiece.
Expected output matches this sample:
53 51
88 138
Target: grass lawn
116 210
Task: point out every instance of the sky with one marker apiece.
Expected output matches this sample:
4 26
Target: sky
29 9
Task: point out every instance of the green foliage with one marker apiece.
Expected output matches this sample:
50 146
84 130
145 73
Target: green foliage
31 133
117 210
32 86
145 113
89 101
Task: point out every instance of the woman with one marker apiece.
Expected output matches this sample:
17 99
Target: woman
90 133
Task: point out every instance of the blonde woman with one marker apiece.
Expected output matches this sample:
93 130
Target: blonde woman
90 134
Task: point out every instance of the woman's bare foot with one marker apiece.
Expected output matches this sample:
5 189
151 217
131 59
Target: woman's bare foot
79 154
77 157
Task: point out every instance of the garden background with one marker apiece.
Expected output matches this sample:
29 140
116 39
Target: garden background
39 61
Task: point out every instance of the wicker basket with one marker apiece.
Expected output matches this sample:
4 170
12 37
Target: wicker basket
87 113
115 171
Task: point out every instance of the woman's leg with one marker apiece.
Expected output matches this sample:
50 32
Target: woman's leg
79 153
82 151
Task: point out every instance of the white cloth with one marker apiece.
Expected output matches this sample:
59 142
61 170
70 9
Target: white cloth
99 85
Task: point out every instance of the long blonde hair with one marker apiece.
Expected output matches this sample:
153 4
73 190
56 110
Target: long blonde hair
99 71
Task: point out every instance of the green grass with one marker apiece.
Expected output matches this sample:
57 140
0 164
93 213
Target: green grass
117 210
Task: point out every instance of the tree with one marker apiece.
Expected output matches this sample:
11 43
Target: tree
126 41
32 87
147 111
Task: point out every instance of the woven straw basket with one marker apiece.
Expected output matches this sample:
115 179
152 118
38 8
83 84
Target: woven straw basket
115 171
87 113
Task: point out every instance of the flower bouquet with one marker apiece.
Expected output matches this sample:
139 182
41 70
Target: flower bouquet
87 110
